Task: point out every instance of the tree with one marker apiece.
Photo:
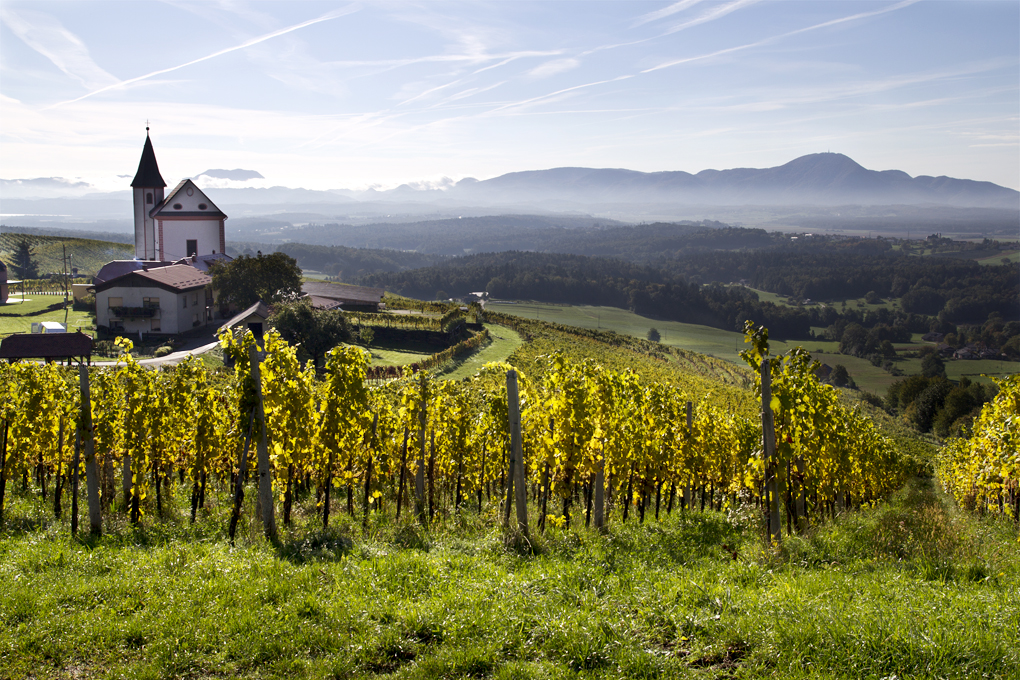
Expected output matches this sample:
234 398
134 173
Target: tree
24 263
316 332
245 280
653 335
932 366
839 377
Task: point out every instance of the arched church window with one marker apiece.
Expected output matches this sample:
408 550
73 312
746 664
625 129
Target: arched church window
148 198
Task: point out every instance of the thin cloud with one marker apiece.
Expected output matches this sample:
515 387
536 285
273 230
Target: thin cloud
711 15
248 43
551 68
48 37
782 36
664 12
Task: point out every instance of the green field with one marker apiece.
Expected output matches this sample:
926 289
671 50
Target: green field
86 254
17 316
727 344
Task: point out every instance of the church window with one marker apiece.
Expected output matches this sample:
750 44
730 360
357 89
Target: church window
202 206
148 198
191 191
192 247
177 206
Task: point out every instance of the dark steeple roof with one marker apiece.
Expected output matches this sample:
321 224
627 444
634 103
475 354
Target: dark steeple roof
148 171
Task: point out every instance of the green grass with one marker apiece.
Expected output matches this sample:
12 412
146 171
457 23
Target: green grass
1010 255
17 316
504 342
910 588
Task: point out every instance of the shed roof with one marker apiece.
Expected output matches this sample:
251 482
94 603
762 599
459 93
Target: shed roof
258 309
45 346
343 292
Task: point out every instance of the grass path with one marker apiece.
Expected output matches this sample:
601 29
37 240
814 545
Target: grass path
504 342
910 588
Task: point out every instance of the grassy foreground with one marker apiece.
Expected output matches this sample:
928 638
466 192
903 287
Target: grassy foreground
910 588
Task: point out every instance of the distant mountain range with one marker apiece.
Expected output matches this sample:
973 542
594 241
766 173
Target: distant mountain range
814 182
816 179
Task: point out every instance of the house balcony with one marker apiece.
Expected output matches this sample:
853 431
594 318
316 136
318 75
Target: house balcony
135 312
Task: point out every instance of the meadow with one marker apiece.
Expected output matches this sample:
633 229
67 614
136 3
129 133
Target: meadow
17 315
907 588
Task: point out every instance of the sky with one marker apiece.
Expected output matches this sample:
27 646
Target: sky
327 95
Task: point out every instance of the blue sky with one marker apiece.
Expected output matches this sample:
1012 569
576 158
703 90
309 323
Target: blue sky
347 95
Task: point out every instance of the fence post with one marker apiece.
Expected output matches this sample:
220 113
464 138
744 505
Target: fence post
91 474
516 452
769 451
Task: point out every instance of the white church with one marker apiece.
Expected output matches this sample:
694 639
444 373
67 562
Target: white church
166 289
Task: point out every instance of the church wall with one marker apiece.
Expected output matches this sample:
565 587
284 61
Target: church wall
145 230
174 236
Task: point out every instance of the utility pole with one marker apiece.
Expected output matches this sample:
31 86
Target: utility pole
66 310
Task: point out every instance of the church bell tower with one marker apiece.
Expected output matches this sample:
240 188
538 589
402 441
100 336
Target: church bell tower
147 186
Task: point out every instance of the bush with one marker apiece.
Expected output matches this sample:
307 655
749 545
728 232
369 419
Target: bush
86 304
163 351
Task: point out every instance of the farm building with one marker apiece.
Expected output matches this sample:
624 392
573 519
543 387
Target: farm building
337 295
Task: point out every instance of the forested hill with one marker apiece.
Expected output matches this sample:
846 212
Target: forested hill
951 290
578 279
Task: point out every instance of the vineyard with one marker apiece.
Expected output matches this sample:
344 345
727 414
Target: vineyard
590 443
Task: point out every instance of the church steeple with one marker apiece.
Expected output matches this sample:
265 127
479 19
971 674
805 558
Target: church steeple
148 170
147 187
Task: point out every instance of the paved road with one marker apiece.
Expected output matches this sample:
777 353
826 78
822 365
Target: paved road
169 359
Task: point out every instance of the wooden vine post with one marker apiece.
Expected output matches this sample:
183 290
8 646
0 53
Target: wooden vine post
690 430
91 473
262 447
516 472
769 452
419 474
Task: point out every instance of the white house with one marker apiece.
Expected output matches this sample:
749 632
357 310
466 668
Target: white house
165 300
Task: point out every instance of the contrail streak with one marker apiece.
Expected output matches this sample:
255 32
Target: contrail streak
254 41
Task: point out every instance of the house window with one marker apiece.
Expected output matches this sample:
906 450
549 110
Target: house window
154 325
194 298
148 198
116 302
192 247
116 325
185 298
194 319
150 302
